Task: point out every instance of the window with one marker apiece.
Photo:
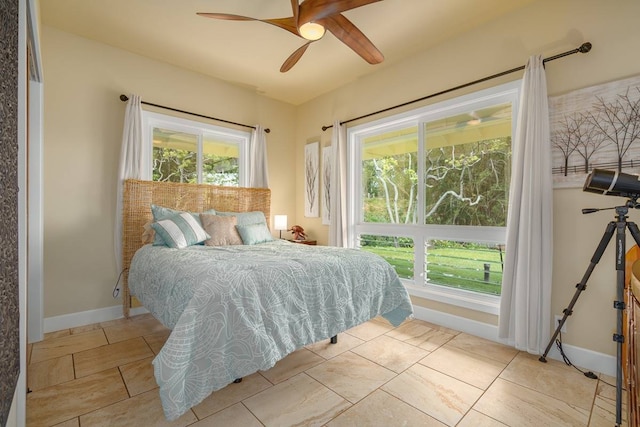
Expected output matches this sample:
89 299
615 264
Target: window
430 193
193 152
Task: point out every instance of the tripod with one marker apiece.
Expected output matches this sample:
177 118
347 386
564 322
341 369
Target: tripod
619 226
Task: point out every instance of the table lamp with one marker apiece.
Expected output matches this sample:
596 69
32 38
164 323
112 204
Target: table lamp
280 223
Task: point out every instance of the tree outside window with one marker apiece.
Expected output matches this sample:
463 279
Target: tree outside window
191 152
450 172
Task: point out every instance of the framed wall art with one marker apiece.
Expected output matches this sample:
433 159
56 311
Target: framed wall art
311 178
326 185
595 127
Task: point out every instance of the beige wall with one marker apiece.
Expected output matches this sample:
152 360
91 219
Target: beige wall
83 125
548 28
83 120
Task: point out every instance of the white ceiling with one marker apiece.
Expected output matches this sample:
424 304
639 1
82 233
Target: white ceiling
250 54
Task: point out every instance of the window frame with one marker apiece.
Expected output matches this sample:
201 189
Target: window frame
151 120
421 232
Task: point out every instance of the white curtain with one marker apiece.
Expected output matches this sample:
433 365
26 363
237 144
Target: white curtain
338 190
525 307
132 164
258 171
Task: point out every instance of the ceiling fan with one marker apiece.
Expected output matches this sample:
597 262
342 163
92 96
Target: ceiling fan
309 21
484 115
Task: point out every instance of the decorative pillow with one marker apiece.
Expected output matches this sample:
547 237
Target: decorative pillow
222 230
252 234
180 231
149 234
161 212
245 218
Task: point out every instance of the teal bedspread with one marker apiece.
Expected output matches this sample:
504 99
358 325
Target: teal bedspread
235 310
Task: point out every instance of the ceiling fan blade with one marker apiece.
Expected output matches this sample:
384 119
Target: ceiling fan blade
295 8
294 58
350 35
312 10
227 16
288 24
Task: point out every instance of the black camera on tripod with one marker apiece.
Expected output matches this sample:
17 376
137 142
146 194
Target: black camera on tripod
613 183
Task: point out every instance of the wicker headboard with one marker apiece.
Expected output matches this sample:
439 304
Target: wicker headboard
140 195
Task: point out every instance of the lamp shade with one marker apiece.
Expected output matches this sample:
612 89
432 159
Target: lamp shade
280 222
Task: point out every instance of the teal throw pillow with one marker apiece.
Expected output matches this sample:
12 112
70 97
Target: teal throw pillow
161 212
252 234
180 231
246 218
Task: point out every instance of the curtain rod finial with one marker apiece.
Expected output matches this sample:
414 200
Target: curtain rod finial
324 128
585 47
124 98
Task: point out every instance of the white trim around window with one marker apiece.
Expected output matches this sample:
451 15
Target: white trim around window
419 232
240 138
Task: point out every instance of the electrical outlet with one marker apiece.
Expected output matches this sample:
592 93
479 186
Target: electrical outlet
564 327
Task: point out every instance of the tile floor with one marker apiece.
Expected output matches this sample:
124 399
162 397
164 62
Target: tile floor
418 374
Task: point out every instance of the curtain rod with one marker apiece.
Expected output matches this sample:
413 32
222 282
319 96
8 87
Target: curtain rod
125 98
584 48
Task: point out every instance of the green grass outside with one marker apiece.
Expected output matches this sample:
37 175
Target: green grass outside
461 268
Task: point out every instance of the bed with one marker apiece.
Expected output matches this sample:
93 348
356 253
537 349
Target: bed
235 310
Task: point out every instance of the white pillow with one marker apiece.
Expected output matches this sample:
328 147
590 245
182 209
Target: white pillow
180 231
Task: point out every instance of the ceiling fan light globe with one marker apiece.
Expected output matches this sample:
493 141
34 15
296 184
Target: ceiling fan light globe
311 31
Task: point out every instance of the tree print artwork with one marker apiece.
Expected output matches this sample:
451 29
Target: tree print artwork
326 185
311 176
596 127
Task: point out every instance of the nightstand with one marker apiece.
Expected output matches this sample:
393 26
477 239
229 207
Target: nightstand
305 242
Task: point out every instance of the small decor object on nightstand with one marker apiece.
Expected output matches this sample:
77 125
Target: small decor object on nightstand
298 233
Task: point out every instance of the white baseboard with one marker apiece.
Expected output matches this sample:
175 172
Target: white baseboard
82 318
584 358
598 362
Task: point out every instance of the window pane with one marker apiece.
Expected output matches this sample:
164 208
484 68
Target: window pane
468 167
398 251
439 174
471 266
174 156
390 176
220 162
